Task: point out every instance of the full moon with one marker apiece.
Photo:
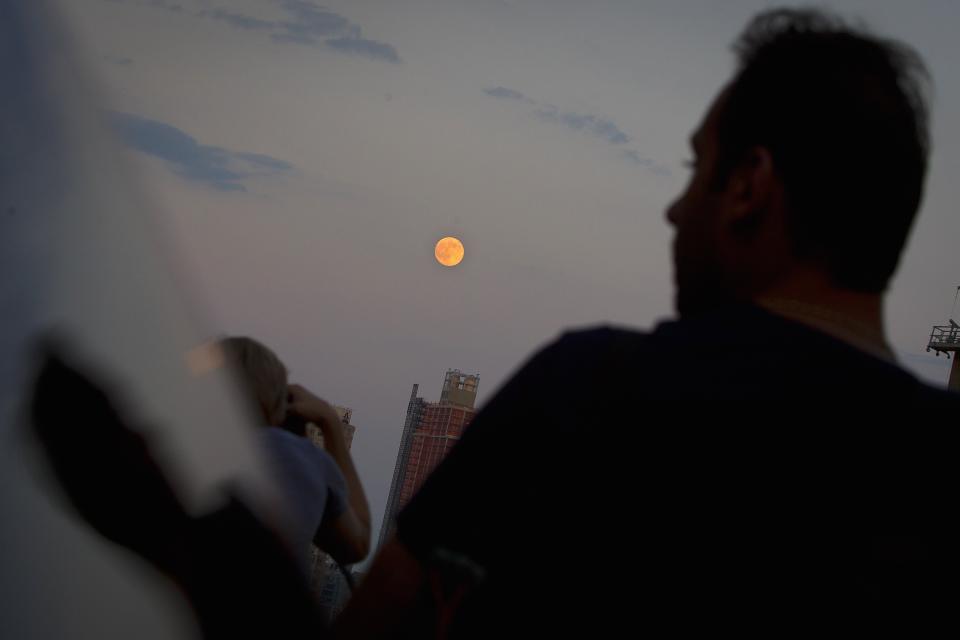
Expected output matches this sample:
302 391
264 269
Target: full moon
449 251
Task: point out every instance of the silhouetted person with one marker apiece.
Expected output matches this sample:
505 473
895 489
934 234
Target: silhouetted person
328 501
239 577
760 467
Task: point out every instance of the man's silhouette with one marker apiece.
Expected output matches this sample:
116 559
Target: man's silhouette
759 467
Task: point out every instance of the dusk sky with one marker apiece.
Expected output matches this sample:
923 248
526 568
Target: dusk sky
307 159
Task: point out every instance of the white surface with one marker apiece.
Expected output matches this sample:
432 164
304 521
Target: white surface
81 255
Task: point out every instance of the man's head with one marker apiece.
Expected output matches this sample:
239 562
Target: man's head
263 375
812 157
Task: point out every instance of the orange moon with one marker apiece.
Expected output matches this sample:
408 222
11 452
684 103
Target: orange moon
449 251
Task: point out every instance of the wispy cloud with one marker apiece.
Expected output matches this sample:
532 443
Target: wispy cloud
220 168
598 126
595 125
166 4
117 60
238 20
655 167
309 17
503 92
303 22
311 24
364 47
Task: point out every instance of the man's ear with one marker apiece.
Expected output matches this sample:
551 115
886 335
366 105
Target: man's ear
752 189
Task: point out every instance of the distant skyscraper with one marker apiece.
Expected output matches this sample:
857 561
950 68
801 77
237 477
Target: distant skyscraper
316 436
429 432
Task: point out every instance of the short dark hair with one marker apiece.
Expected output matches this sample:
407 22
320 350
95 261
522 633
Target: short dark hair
844 116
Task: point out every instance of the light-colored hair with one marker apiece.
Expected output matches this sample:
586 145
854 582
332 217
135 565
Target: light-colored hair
263 374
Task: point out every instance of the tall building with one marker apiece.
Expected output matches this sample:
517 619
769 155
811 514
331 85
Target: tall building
316 436
429 432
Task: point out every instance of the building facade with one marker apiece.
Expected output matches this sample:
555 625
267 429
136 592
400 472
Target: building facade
316 436
429 432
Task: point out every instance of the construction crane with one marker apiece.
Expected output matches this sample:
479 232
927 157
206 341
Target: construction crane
946 339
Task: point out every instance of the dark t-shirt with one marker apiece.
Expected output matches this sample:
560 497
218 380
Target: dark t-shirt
735 471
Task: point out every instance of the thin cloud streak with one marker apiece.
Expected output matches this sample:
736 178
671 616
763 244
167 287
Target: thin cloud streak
216 167
595 125
364 47
507 94
120 61
239 21
598 126
306 23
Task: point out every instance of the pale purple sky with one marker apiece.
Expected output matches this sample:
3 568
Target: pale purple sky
308 158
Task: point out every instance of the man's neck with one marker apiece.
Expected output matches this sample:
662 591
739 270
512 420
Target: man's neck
851 316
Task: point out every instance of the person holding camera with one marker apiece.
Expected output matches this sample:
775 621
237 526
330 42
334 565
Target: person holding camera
327 499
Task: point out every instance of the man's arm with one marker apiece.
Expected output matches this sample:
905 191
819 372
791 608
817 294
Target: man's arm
346 537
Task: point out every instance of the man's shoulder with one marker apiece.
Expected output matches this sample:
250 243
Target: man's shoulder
286 444
585 353
597 338
283 439
937 401
741 351
610 343
670 333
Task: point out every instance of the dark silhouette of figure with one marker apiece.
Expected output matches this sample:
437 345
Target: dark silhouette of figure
107 471
759 467
327 498
241 576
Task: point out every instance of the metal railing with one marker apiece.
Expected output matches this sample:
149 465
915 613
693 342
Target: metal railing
945 338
